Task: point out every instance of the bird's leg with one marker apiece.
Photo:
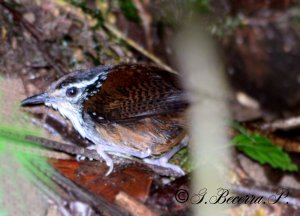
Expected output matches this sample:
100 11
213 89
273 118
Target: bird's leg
163 160
101 151
114 148
103 146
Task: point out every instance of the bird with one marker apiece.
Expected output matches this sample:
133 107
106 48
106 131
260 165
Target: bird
134 110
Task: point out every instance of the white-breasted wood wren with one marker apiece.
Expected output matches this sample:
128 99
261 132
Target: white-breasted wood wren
128 109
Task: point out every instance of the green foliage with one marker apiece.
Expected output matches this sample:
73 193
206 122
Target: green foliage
261 149
295 16
16 156
13 141
226 26
20 167
129 10
200 5
11 137
182 159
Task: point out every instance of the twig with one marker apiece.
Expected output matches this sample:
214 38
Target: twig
58 197
146 21
118 34
38 151
70 149
283 124
137 47
29 149
77 150
97 202
285 143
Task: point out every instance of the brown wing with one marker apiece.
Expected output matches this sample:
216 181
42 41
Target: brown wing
158 133
132 92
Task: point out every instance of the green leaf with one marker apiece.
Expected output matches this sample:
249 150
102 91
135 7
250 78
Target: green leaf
202 6
262 150
183 159
130 11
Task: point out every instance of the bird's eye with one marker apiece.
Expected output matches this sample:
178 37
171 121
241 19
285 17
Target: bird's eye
71 92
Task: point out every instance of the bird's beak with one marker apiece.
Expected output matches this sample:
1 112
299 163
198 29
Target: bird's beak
35 100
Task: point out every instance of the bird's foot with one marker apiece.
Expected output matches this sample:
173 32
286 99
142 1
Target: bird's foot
163 162
81 158
101 151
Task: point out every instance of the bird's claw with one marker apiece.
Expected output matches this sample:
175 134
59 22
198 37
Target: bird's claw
163 162
146 153
109 162
80 157
110 165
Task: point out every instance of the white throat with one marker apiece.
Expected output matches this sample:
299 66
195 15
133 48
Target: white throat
84 127
73 115
76 119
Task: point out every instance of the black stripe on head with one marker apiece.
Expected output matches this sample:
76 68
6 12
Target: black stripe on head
94 88
83 75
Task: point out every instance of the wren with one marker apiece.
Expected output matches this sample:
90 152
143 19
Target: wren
128 109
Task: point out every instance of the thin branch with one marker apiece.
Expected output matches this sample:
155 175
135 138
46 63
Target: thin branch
287 144
70 149
97 202
283 124
118 34
77 150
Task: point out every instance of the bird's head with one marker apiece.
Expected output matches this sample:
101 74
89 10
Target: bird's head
68 93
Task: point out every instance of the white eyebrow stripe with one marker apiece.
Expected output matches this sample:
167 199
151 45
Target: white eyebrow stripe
89 82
